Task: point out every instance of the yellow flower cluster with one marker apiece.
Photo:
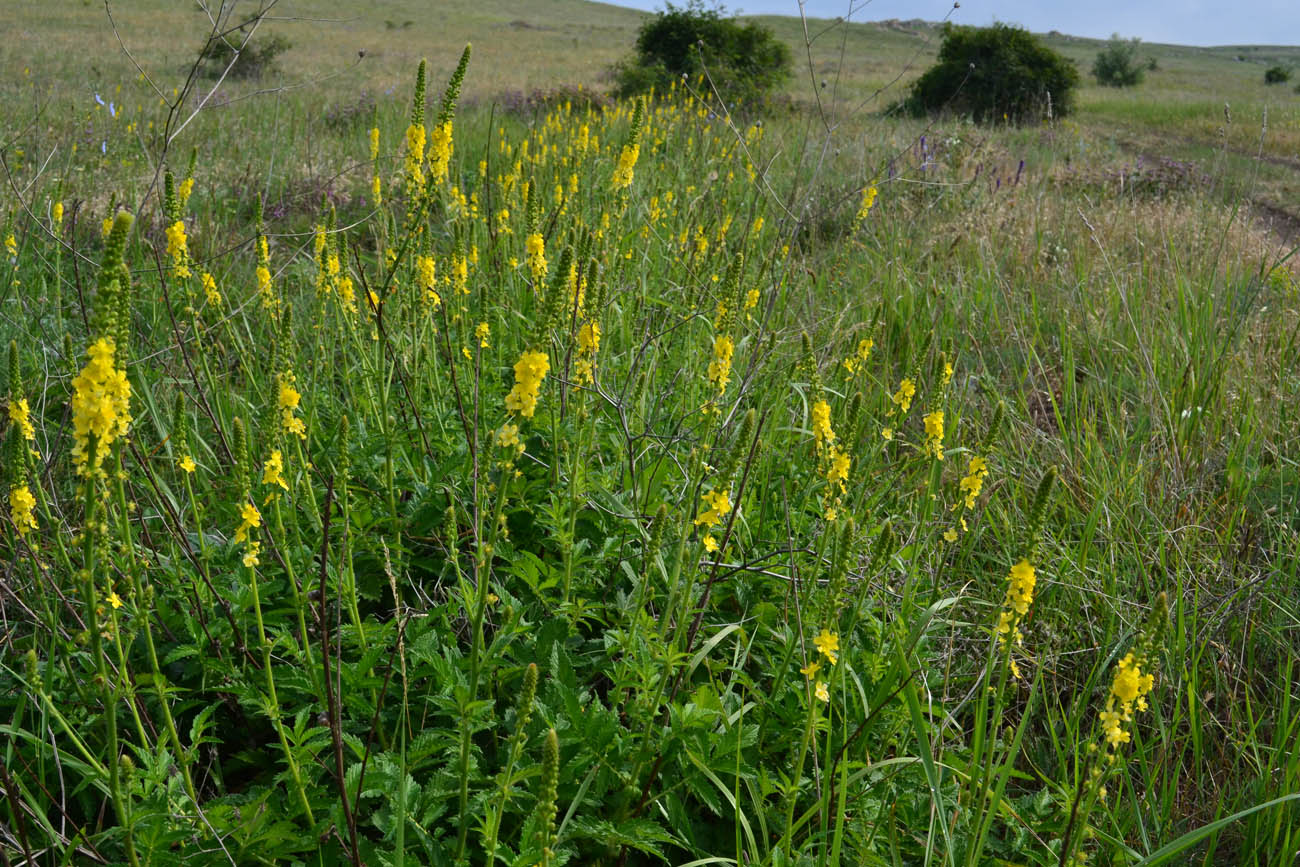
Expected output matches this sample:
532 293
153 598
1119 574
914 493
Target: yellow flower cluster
100 407
415 155
178 249
934 434
588 346
287 402
426 278
719 371
22 507
249 519
1128 692
530 370
855 362
440 146
622 178
20 416
1020 595
828 646
903 397
273 472
11 245
868 202
210 289
717 505
184 189
821 424
535 254
973 482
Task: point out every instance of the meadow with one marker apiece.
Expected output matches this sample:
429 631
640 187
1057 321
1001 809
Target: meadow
439 461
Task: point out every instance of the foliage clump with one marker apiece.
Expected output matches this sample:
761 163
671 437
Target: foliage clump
241 54
1117 64
998 73
1277 75
744 62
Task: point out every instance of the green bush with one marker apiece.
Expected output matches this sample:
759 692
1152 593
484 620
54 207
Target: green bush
257 56
1117 64
743 61
1277 75
995 73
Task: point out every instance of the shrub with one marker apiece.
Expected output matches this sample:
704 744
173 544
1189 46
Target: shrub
992 73
1117 64
1277 75
744 61
257 56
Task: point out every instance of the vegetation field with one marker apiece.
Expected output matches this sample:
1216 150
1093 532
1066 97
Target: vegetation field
445 462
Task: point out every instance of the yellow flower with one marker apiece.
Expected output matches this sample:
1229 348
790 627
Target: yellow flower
210 288
374 143
622 178
184 189
868 201
22 507
415 154
530 370
251 555
828 645
718 503
115 600
810 670
934 434
178 248
440 147
535 254
287 402
973 482
751 299
903 397
950 535
482 332
100 406
507 437
719 371
823 693
273 470
837 471
887 434
20 415
56 216
710 544
250 519
11 244
821 423
186 463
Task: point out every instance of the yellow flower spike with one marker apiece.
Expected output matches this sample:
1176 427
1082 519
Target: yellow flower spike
250 519
719 370
20 415
273 470
903 397
718 506
828 645
934 434
530 371
100 406
22 507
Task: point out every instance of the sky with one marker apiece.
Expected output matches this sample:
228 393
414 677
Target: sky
1183 22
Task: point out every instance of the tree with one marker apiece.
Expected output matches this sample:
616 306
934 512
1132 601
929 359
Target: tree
995 73
1277 75
744 61
1117 64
